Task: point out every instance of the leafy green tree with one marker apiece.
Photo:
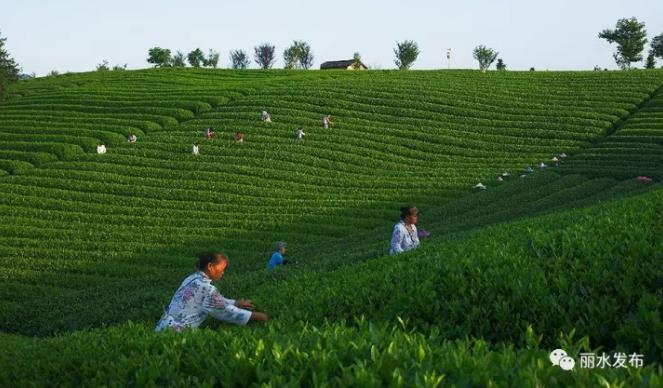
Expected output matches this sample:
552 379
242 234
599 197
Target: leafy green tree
239 59
305 55
179 60
298 56
9 70
159 57
406 53
290 57
212 59
651 61
501 66
356 61
485 56
103 66
631 37
657 46
263 55
196 58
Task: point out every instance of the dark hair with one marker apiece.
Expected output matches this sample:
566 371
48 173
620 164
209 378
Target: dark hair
205 258
407 210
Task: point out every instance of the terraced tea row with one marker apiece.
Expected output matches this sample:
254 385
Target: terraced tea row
131 261
634 148
522 288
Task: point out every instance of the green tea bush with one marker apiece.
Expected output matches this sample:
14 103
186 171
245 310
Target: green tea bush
364 354
588 270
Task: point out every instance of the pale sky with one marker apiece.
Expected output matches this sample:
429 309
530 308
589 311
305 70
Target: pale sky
75 35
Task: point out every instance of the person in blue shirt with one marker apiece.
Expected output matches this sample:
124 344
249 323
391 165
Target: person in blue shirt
277 256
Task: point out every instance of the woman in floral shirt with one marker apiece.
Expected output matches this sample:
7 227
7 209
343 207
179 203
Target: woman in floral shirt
196 298
405 236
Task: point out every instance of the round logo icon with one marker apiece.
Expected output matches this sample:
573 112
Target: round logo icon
556 355
567 363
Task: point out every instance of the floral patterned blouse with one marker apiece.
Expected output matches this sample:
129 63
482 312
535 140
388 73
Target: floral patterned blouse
195 299
403 239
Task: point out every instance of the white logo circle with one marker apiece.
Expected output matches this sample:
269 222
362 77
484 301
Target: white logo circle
567 363
556 355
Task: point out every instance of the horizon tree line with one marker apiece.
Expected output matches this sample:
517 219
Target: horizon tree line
629 35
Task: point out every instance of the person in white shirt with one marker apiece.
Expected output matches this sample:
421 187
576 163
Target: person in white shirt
196 298
209 134
195 150
132 138
101 149
300 134
326 121
266 117
405 236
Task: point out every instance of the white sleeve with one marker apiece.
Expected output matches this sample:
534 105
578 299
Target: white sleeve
225 310
396 239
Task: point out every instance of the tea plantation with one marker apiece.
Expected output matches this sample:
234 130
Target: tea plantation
92 246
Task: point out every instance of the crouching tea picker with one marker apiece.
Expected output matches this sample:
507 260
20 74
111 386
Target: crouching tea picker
196 298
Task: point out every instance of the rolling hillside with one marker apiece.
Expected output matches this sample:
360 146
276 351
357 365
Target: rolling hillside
89 240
